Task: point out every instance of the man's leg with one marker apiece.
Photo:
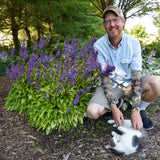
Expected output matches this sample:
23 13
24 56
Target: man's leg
98 105
151 91
94 110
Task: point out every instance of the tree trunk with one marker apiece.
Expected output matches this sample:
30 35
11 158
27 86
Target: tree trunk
39 32
29 37
15 29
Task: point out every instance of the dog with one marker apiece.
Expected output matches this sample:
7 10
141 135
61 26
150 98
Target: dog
128 141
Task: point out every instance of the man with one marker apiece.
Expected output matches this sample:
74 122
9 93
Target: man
124 52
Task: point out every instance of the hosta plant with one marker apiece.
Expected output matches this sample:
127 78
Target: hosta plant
53 91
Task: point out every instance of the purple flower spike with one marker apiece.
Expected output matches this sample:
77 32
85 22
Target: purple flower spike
45 95
52 74
80 92
76 100
69 111
50 57
59 67
58 52
23 43
3 56
12 51
59 89
109 70
73 49
83 52
20 72
56 45
7 71
41 43
66 45
72 75
92 43
35 46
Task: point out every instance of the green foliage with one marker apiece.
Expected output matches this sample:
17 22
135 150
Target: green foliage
138 31
154 45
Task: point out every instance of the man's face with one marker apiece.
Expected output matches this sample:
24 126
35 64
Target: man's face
113 25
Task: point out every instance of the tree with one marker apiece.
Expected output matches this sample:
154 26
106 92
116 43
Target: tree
71 22
138 7
138 31
46 17
10 15
156 17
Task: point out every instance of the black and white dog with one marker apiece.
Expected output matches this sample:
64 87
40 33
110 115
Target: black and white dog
128 141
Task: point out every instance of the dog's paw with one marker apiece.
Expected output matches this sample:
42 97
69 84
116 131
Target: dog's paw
112 122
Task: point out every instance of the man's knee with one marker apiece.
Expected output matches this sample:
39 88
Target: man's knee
154 84
152 89
94 110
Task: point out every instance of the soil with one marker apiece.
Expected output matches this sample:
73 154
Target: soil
19 141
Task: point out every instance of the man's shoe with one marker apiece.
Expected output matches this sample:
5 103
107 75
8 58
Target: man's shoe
120 102
147 123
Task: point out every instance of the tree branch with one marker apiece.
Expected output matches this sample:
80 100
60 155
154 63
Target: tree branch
89 14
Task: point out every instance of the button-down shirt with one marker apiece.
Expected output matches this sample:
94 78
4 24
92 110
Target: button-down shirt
125 58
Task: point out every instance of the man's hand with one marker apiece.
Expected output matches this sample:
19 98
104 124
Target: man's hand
136 120
117 115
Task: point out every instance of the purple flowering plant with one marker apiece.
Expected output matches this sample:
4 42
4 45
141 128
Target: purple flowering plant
3 56
151 64
53 90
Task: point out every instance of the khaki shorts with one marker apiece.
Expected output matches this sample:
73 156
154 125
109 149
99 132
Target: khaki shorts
119 92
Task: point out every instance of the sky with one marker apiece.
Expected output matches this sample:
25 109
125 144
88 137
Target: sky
146 21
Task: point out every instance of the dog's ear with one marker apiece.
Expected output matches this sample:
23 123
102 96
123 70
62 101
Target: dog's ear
135 141
140 142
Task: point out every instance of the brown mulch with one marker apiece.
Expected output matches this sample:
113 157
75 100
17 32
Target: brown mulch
19 141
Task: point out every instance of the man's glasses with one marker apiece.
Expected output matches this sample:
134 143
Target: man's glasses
115 21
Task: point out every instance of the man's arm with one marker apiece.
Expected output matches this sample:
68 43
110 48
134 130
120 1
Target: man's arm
108 89
137 90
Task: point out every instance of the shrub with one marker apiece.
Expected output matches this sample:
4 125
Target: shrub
54 91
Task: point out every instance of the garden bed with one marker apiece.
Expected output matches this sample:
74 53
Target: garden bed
19 141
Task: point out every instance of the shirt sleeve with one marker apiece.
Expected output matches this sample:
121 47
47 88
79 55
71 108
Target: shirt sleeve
136 63
137 89
108 90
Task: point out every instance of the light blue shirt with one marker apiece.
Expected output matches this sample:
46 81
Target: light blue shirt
125 58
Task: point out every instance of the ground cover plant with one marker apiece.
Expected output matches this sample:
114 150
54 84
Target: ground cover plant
53 91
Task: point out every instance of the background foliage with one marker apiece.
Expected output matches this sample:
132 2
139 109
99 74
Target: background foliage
77 18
